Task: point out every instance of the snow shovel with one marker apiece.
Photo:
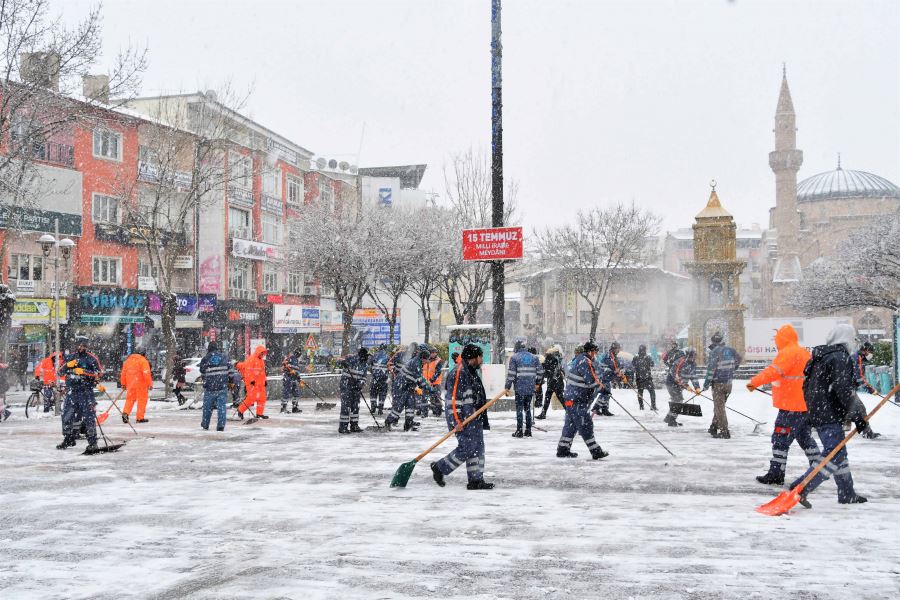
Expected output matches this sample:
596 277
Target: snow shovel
401 477
107 447
117 408
101 418
378 426
788 499
756 424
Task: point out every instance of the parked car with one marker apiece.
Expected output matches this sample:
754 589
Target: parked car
191 370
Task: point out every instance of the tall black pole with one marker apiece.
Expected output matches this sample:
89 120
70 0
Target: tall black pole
497 272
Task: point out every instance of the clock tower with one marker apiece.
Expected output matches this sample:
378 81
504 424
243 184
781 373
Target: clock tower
716 271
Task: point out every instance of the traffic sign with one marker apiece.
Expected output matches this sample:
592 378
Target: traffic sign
311 343
494 243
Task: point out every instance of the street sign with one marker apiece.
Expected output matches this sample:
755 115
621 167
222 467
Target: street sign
311 343
494 243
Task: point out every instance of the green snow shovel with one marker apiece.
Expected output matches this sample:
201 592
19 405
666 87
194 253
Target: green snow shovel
401 477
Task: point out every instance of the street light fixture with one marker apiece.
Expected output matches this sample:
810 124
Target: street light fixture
49 243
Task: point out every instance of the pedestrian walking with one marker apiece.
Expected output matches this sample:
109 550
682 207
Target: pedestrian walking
643 377
217 372
721 363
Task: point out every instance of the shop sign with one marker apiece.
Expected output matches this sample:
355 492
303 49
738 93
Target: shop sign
184 262
147 284
253 250
42 221
332 320
271 204
112 306
375 327
237 315
274 299
25 286
295 318
37 310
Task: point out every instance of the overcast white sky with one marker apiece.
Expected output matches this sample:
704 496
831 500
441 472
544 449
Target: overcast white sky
603 101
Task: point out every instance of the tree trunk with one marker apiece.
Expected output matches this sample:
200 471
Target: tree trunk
427 320
169 310
595 316
345 334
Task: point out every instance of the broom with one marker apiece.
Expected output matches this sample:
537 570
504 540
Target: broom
401 477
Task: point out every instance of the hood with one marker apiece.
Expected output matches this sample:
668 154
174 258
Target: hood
821 351
844 335
260 352
785 336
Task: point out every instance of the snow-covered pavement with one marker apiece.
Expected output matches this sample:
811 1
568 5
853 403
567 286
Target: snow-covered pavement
287 508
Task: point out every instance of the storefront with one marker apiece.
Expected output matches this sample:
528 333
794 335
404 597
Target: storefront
189 324
235 325
31 332
114 320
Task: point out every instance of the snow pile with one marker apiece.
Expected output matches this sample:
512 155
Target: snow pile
288 509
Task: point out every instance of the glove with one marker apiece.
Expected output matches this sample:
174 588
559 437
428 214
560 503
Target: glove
484 422
79 371
101 389
751 387
624 380
72 364
861 423
302 385
698 391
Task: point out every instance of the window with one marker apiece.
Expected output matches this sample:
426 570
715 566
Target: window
107 144
25 267
326 192
295 283
106 270
146 269
239 274
294 191
239 223
148 155
270 279
105 210
272 182
241 170
271 229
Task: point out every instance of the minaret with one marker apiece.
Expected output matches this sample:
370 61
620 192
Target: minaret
785 161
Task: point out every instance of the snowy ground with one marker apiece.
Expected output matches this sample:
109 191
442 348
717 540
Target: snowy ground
289 509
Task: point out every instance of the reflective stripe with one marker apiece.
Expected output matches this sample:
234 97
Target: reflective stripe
800 377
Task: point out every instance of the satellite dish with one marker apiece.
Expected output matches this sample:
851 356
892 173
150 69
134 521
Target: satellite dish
320 163
332 164
344 165
353 169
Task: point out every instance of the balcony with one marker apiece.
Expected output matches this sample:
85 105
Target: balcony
51 152
239 294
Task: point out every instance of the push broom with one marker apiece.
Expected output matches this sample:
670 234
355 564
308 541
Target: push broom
788 499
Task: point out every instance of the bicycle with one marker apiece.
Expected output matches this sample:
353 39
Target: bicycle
35 403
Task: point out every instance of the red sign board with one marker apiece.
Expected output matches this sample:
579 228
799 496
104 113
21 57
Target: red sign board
495 243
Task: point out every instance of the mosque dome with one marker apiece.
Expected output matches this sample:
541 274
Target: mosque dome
845 183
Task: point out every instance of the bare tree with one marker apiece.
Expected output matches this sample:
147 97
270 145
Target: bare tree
863 272
181 162
335 245
602 248
468 185
435 244
395 254
41 64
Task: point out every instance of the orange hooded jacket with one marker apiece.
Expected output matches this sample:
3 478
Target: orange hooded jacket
253 369
46 370
136 373
786 372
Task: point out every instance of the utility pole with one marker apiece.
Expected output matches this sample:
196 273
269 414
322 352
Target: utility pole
497 270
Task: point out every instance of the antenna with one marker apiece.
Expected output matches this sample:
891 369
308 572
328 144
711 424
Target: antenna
343 165
332 164
354 169
320 163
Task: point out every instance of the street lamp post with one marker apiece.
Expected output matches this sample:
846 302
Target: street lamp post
53 243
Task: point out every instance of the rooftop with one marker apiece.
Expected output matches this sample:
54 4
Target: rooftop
845 183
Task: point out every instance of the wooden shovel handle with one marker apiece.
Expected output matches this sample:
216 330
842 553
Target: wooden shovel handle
477 413
843 442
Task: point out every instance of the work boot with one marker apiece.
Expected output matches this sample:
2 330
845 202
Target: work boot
599 453
220 429
296 409
479 485
355 428
565 453
771 478
92 448
343 428
410 425
68 442
143 420
605 412
722 435
124 418
262 416
802 499
856 499
438 476
240 415
712 430
517 433
671 422
653 407
283 409
543 415
527 432
380 411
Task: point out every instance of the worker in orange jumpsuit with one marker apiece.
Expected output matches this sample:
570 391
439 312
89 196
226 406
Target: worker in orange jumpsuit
137 381
786 376
46 372
253 371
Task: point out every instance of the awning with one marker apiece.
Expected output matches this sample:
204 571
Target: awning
181 322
